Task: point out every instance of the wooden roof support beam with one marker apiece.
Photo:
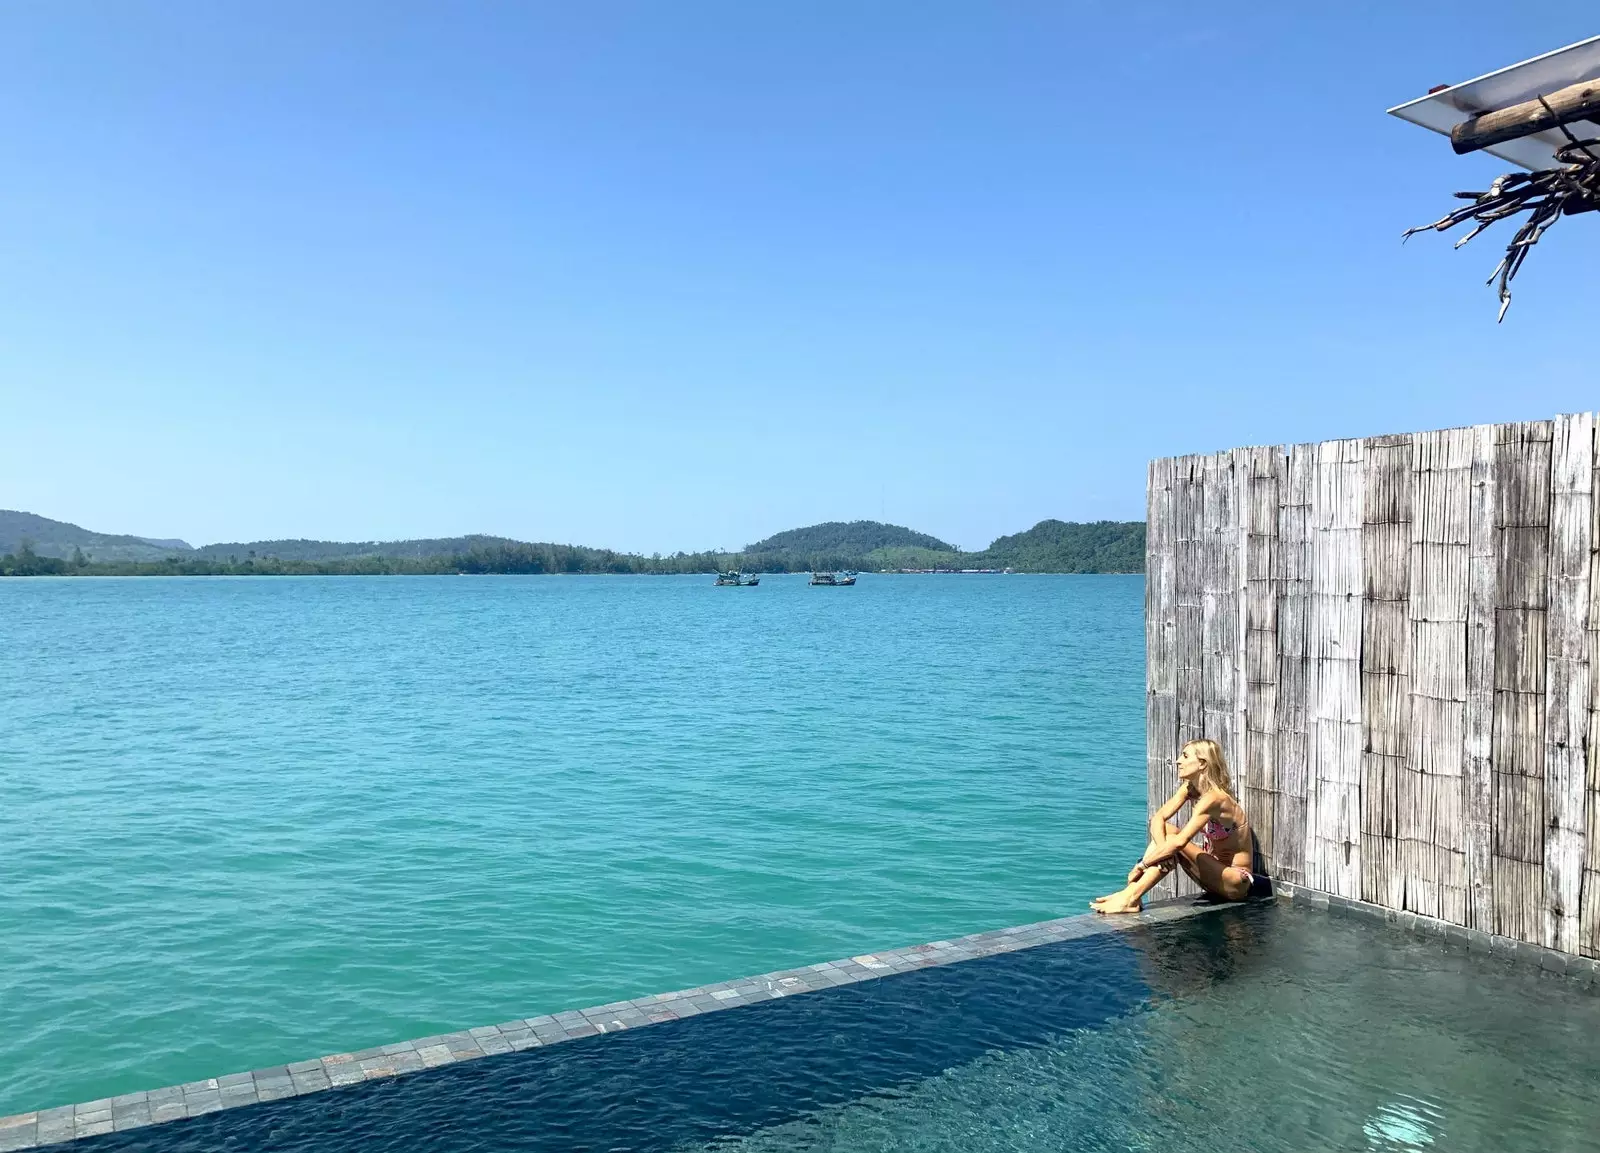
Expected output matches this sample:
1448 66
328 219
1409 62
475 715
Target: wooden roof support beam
1579 101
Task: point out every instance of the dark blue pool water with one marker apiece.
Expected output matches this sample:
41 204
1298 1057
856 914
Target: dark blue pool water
1264 1028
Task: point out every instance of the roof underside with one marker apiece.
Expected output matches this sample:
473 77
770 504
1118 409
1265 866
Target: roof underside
1443 110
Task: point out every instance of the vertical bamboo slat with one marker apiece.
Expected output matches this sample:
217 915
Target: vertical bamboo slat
1160 617
1294 619
1220 599
1567 677
1477 781
1388 857
1261 471
1438 584
1161 636
1333 811
1589 921
1235 741
1188 502
1522 572
1220 605
1188 511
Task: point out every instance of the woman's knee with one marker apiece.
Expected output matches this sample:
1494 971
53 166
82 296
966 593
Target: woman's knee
1235 887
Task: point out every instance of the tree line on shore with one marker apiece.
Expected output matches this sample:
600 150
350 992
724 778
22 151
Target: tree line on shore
1050 546
523 559
512 559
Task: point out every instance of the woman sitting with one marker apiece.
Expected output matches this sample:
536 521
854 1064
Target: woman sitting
1222 864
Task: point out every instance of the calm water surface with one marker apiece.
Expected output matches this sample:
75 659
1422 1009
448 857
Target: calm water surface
251 821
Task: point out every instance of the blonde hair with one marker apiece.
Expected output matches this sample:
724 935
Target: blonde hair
1215 773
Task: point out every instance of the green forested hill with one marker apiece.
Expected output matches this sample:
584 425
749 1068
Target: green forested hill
57 538
321 550
1102 546
856 538
857 544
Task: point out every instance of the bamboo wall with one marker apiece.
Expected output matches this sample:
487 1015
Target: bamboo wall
1397 641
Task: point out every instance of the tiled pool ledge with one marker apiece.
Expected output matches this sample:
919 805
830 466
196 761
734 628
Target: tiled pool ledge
1586 969
301 1078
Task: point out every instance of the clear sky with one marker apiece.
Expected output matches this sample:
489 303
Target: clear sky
679 275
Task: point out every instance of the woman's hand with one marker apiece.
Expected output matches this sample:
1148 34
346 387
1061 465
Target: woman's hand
1165 851
1153 856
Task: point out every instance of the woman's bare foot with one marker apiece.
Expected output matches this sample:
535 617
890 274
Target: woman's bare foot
1123 902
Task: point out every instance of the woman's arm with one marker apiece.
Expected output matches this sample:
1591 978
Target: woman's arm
1204 809
1173 803
1155 851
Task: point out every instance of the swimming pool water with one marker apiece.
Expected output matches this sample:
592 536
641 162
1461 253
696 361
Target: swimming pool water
1275 1030
1269 1028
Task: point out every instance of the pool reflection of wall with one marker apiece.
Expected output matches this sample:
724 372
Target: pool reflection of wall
1394 639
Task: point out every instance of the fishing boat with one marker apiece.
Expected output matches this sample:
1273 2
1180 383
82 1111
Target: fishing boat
737 579
833 579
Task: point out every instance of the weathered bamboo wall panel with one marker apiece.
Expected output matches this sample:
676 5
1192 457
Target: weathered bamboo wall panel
1477 794
1589 919
1161 634
1189 553
1388 786
1220 600
1261 475
1434 838
1395 640
1333 806
1522 572
1567 676
1288 857
1188 499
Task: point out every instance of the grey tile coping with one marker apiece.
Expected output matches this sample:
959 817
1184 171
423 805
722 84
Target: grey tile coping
300 1078
1584 969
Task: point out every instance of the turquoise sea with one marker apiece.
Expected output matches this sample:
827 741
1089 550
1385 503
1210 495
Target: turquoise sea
250 821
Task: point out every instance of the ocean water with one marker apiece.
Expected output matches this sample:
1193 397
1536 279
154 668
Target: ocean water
250 821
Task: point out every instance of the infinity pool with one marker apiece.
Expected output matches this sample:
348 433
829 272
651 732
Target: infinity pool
1262 1028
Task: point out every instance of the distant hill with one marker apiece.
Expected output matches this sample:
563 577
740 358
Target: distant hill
856 544
856 537
57 538
320 550
1102 546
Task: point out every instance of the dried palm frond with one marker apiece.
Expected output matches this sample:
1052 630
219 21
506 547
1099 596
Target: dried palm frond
1545 196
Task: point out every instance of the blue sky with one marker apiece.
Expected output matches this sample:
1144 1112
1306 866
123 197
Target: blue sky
659 276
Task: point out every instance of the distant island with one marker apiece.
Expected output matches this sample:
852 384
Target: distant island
32 545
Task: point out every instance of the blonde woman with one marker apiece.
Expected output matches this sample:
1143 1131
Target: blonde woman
1222 864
